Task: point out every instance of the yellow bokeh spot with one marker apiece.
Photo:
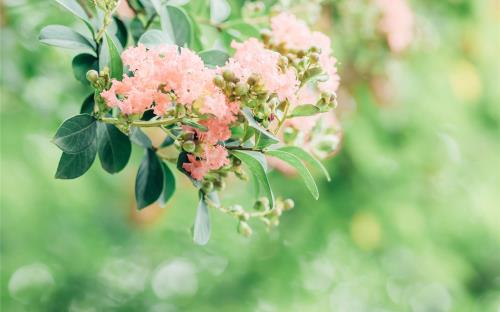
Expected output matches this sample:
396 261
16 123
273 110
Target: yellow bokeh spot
465 81
366 231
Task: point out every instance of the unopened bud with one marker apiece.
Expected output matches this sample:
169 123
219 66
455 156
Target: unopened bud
219 185
244 216
253 79
265 34
241 88
207 186
288 204
277 210
92 76
189 146
314 57
228 75
219 81
262 204
301 53
244 229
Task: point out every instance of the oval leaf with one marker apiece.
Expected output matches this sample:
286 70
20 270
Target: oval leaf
65 37
304 110
214 58
88 105
76 9
201 227
301 169
256 164
140 138
241 30
113 146
149 180
219 10
72 166
308 158
81 64
168 185
76 133
176 23
155 37
270 138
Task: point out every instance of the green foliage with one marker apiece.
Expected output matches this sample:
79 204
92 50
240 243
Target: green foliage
202 226
154 37
138 137
304 110
219 10
306 157
76 134
213 58
149 180
168 185
113 146
110 57
81 64
65 37
267 136
72 166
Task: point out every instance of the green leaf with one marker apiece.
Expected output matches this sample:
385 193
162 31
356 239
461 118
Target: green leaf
167 142
110 57
168 185
155 37
193 124
262 141
138 137
76 133
88 105
306 157
241 30
201 227
304 110
314 74
256 163
219 10
113 146
136 28
149 180
176 23
121 31
81 64
65 37
301 169
72 166
269 137
76 9
214 58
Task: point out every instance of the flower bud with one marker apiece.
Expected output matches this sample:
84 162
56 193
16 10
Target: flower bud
265 34
262 204
241 88
277 210
244 229
189 146
288 204
207 186
236 162
236 209
219 185
314 49
244 216
219 81
253 79
301 53
314 58
92 76
180 110
228 75
283 62
187 136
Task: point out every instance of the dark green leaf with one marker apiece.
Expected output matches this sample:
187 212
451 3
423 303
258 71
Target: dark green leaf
167 142
295 162
72 166
113 146
304 110
193 124
219 10
256 164
270 138
308 158
149 180
168 185
155 37
202 227
140 138
88 105
82 63
121 31
76 133
214 58
136 28
65 37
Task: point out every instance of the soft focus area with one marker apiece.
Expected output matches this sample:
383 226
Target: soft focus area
409 222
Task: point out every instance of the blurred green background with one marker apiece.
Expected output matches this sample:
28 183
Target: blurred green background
410 222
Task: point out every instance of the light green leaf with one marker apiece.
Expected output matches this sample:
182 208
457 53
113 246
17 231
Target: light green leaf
202 227
306 157
256 164
65 37
168 185
219 10
149 180
304 110
155 37
240 30
113 146
213 58
72 166
76 9
76 133
301 169
176 23
138 137
270 138
110 56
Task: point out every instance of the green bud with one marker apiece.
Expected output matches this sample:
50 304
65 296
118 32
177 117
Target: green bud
314 58
189 146
228 75
288 204
315 49
207 186
187 136
283 62
236 162
92 76
277 210
262 204
180 110
244 229
244 216
265 34
241 88
253 79
219 185
301 53
219 81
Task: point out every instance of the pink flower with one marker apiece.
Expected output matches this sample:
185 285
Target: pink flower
213 157
396 23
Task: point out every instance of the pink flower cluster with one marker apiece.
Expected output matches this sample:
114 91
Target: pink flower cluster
396 23
294 33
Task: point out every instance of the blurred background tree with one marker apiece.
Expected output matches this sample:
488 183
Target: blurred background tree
410 222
